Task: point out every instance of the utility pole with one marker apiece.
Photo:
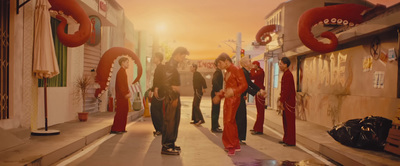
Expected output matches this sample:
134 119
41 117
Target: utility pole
238 47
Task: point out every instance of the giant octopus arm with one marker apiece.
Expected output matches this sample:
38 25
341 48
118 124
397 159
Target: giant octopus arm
71 8
104 68
264 33
343 14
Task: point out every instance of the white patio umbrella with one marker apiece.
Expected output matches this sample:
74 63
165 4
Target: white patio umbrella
44 58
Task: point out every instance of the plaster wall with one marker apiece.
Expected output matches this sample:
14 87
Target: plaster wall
21 90
335 87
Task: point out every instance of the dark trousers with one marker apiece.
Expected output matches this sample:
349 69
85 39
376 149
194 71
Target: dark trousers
196 112
260 105
241 119
156 110
172 117
289 127
215 109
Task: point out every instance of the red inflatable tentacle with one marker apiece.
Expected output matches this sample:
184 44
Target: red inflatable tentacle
344 14
265 32
73 9
104 68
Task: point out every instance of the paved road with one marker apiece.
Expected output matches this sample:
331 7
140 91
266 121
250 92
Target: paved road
199 146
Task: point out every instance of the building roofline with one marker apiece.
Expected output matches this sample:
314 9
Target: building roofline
115 4
381 23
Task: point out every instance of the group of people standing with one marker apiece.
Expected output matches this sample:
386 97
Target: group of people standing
165 103
238 82
233 85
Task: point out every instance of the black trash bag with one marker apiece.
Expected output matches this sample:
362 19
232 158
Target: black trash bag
368 133
347 133
374 132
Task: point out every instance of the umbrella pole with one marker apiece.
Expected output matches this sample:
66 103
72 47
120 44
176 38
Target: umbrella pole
45 103
45 132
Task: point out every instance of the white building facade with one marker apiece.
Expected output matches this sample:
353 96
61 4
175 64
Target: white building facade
24 108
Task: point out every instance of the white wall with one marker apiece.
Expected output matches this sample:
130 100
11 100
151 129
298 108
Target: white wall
61 104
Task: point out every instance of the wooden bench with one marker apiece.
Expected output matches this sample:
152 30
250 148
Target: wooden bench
393 140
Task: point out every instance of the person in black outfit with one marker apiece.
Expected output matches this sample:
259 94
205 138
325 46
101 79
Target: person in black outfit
170 89
217 85
199 87
241 114
157 103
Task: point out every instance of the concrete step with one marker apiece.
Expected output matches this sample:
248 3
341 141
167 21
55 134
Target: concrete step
74 135
11 138
316 138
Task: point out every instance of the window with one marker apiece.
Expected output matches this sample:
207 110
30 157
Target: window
276 75
59 80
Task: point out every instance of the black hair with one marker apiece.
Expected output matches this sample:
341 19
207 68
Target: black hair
223 56
195 66
159 55
180 51
286 61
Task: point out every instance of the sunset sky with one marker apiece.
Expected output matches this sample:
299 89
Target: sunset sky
202 26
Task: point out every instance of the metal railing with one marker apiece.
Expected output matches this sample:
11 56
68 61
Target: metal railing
4 58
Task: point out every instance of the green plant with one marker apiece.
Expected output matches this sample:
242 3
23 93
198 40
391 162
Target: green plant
82 84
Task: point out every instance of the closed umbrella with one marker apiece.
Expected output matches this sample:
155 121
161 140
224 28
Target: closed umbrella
44 58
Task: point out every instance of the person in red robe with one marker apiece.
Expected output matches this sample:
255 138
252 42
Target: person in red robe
122 95
235 85
287 103
257 74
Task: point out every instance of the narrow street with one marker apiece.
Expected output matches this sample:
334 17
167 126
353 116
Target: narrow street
199 145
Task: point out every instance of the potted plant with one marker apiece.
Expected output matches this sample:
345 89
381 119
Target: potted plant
82 85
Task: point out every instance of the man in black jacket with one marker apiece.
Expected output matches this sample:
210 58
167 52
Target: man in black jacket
199 87
170 89
217 85
241 114
156 102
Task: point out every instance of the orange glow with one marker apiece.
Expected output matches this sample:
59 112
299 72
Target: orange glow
202 26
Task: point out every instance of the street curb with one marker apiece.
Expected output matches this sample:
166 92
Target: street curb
78 144
316 138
